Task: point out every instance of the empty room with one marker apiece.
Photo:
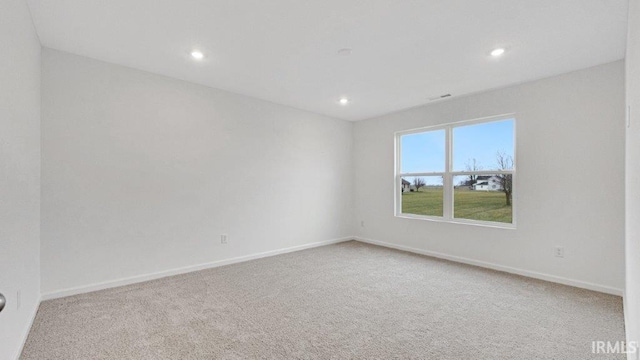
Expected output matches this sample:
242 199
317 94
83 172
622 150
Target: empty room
319 179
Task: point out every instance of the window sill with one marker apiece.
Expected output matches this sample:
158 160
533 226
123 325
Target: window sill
488 224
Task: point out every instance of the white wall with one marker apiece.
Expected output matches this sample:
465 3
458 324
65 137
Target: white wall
570 183
632 295
142 173
19 174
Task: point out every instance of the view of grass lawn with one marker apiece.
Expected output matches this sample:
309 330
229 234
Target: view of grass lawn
426 201
481 205
468 204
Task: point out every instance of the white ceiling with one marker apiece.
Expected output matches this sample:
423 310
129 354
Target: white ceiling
285 51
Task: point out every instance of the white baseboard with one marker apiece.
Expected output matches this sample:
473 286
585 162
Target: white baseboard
459 259
508 269
187 269
26 331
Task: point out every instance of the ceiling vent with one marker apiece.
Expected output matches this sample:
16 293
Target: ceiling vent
440 97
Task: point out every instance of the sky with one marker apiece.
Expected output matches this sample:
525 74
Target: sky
425 152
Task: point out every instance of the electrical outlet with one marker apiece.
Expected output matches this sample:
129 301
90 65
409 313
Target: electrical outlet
223 239
558 251
18 300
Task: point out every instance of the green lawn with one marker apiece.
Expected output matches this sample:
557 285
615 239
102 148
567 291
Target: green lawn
427 201
468 204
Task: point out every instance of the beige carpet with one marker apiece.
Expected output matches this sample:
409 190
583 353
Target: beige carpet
345 301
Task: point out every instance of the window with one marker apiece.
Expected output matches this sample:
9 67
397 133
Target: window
461 172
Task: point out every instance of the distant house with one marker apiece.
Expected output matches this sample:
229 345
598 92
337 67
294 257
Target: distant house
406 186
487 183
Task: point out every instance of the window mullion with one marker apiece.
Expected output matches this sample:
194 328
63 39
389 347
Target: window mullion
447 210
397 186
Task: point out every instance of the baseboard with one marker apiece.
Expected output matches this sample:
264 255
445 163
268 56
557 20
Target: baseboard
532 274
184 270
459 259
25 335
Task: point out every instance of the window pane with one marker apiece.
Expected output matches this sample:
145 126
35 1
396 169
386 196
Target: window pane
423 152
483 197
487 146
422 195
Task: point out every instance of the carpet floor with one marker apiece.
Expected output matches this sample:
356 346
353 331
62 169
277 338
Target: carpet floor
343 301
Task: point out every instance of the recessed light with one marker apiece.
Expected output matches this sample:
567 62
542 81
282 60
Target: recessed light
497 52
196 54
343 101
344 52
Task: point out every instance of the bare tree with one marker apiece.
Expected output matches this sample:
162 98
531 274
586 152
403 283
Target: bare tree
472 165
418 183
505 162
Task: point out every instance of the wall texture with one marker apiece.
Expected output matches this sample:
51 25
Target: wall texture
570 182
632 295
142 174
19 174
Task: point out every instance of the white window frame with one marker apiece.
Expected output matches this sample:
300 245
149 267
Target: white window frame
449 174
